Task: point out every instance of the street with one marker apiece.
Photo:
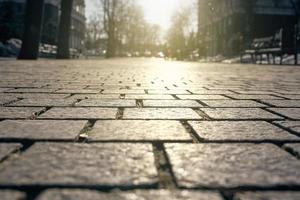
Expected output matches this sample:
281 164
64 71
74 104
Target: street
146 128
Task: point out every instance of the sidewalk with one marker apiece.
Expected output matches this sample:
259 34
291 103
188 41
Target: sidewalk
148 129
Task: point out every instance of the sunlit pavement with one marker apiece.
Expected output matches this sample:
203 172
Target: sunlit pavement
151 128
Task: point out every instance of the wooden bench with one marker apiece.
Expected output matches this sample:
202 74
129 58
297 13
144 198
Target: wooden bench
269 46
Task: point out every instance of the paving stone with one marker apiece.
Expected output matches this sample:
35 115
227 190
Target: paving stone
80 113
292 125
7 148
95 96
232 165
293 113
106 103
43 130
138 130
34 95
77 91
271 195
283 103
242 96
292 96
201 97
160 113
19 112
255 92
148 96
168 92
295 147
6 100
233 103
239 113
131 195
240 130
12 195
31 90
123 92
44 102
82 164
5 89
172 103
210 92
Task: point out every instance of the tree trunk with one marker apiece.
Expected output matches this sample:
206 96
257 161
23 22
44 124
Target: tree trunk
33 29
63 45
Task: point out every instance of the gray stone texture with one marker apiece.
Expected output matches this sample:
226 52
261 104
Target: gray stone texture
133 195
138 130
239 113
19 112
160 113
12 195
42 130
232 165
293 113
80 113
172 103
82 164
240 130
8 148
106 103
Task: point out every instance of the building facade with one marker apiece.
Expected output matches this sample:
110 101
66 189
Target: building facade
227 27
12 13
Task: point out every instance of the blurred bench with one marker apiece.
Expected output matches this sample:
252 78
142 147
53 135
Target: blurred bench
269 46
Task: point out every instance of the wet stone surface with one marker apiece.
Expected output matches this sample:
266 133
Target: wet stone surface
138 130
217 165
145 195
82 164
241 131
41 130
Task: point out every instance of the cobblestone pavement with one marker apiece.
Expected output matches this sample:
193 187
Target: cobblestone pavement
148 129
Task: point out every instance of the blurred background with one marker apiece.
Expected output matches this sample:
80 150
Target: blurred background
198 30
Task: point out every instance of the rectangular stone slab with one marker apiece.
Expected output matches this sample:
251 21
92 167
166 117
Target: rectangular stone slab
240 130
19 112
106 103
41 130
82 164
160 113
239 113
129 195
80 113
232 165
172 103
138 130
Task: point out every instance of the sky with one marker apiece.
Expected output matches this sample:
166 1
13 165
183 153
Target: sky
156 11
